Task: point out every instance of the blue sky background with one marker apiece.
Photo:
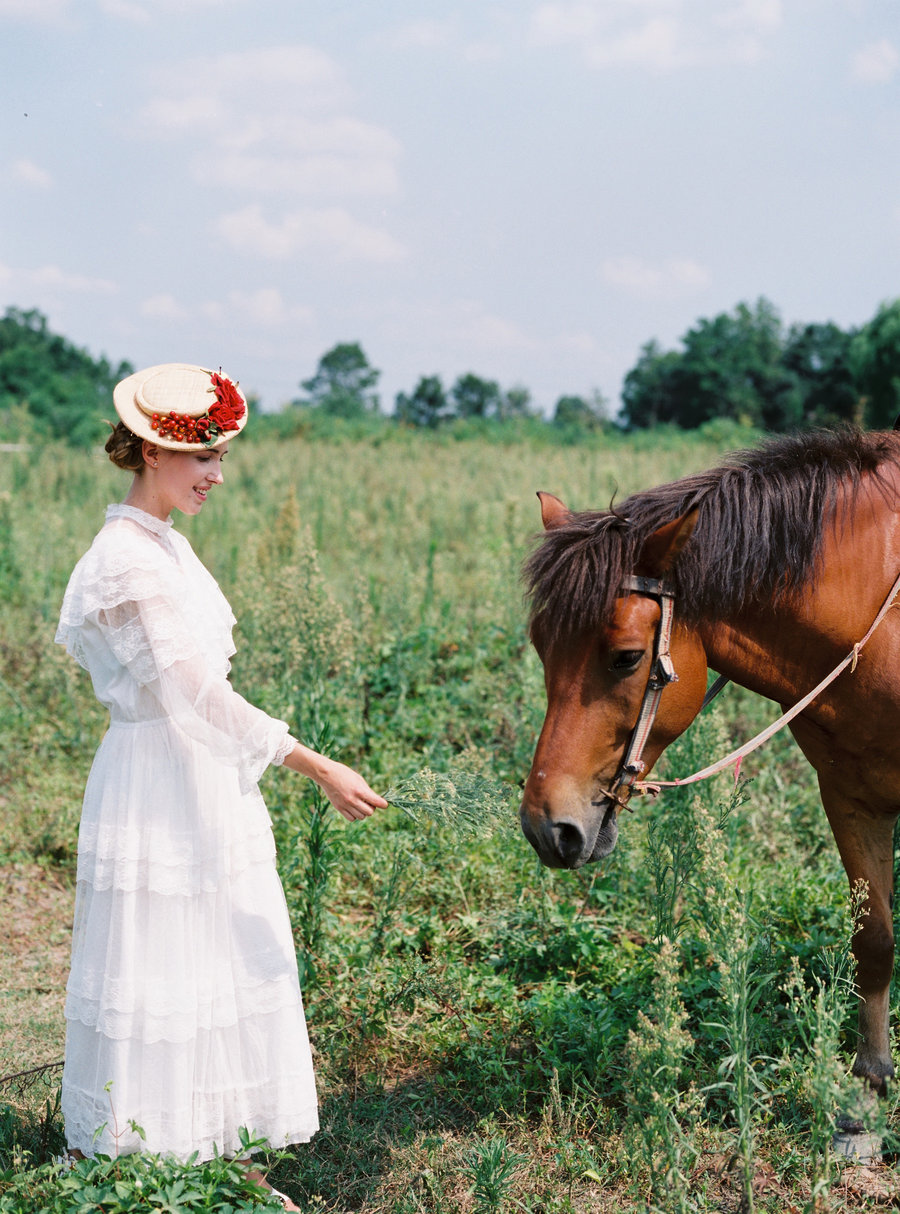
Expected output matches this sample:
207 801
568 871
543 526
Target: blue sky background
525 190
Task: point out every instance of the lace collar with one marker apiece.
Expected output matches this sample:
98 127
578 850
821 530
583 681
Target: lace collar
158 526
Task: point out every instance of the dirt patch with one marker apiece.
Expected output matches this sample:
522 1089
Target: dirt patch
35 939
876 1185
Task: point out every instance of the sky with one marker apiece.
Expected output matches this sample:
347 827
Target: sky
529 190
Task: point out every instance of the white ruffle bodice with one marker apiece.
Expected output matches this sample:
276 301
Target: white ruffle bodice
149 623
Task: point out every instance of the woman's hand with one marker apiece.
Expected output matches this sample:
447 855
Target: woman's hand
345 788
349 793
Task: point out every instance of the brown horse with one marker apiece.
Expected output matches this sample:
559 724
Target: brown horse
776 563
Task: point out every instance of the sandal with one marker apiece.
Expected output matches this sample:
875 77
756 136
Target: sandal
284 1199
259 1179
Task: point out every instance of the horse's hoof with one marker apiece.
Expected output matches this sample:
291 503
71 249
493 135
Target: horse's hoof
857 1147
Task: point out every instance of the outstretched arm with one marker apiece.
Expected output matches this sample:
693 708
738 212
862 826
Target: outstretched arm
347 791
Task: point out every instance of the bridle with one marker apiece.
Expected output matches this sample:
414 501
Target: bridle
662 673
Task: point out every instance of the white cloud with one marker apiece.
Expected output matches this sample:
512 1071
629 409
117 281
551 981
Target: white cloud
54 278
208 95
470 325
337 134
185 115
655 44
876 63
331 156
43 11
125 10
29 173
436 35
274 121
755 15
264 309
746 25
163 307
277 123
327 175
673 277
143 11
420 34
485 51
576 343
658 35
329 230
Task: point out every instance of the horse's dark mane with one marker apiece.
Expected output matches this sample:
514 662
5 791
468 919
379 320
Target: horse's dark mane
762 516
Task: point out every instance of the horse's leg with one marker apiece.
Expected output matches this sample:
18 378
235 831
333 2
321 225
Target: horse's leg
866 847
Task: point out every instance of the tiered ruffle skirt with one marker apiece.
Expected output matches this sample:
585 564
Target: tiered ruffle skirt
184 1014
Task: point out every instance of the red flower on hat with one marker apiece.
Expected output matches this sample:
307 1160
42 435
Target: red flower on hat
227 394
223 417
229 408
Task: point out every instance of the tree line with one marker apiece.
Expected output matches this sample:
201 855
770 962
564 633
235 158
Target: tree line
744 365
747 366
344 386
48 387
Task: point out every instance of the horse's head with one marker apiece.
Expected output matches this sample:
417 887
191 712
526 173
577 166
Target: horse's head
596 675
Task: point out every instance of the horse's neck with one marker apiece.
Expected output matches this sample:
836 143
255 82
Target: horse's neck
760 655
781 652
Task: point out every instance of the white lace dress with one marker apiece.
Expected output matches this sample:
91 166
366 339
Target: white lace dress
183 1007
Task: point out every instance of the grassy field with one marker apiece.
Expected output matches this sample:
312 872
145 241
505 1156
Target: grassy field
668 1030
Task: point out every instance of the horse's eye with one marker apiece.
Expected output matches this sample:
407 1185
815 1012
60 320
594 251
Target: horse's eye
626 660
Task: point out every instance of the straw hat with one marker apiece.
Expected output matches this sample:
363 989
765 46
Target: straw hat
181 407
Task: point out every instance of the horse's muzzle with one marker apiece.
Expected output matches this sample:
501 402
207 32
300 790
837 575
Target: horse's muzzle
569 841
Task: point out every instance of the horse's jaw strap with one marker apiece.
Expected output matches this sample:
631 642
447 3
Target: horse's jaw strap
662 673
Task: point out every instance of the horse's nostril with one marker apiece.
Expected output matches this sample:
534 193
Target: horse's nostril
568 839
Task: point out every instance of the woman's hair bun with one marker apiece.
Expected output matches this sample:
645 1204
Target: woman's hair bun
125 449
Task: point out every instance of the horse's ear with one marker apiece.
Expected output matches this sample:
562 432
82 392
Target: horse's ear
662 548
554 513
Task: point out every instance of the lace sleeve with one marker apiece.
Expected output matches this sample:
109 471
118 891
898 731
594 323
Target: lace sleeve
152 641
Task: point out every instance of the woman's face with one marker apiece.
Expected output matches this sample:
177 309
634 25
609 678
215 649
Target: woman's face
181 480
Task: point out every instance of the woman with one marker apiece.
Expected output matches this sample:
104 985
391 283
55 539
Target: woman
184 1015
